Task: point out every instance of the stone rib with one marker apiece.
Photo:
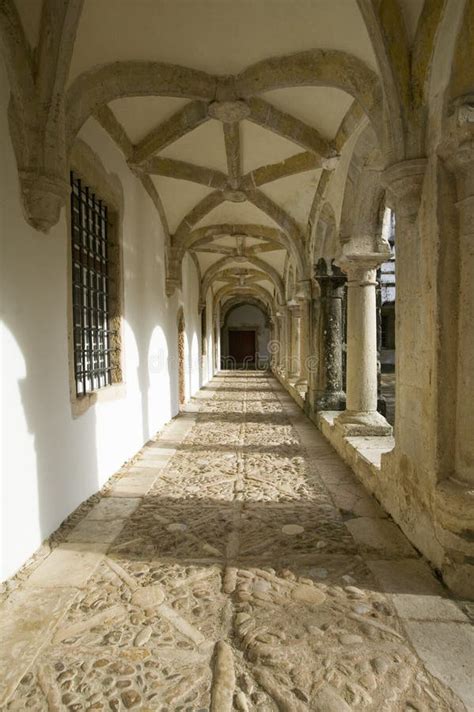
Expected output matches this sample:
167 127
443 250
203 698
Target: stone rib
232 149
182 122
182 170
269 117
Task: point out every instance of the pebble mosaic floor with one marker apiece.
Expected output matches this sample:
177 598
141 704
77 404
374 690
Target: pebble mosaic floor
237 564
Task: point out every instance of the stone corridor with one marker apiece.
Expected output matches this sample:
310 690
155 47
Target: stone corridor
235 564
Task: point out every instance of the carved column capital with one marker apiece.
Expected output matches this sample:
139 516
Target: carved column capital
330 278
404 180
361 267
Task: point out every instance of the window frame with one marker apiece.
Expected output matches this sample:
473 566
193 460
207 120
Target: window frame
87 167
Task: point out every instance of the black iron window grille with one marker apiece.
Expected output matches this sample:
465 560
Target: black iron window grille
91 285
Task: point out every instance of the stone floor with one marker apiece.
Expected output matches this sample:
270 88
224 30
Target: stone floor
235 565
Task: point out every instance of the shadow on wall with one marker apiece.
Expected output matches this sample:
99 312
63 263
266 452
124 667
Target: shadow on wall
51 461
46 469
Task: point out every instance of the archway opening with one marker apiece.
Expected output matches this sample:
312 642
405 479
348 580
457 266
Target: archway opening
386 297
245 337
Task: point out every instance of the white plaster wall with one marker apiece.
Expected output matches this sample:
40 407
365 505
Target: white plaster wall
192 319
50 461
208 364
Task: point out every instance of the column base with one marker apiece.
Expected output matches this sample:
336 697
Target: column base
331 401
352 423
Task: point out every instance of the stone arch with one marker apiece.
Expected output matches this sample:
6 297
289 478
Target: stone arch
253 290
105 83
315 67
236 302
261 265
362 195
293 248
286 223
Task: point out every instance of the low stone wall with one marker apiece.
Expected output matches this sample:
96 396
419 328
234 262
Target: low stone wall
438 521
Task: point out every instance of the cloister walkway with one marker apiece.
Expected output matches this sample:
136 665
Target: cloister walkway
236 564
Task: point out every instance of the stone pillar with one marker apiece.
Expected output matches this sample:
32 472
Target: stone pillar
277 346
361 416
217 339
302 382
329 393
295 341
404 182
304 300
461 162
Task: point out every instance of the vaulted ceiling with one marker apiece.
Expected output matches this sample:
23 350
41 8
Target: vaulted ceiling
242 174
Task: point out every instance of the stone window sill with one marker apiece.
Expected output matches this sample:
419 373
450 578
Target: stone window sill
81 404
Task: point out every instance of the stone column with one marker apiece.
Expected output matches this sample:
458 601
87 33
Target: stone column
361 416
217 339
304 300
329 387
277 347
302 382
461 162
295 341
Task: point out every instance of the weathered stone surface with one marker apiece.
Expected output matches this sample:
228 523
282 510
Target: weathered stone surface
380 535
415 592
233 584
110 508
454 668
96 530
27 622
69 565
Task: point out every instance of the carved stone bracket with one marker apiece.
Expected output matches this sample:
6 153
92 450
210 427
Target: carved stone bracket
404 181
43 198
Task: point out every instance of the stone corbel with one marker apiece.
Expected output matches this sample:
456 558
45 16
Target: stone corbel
173 274
303 290
171 285
43 198
404 181
294 307
41 160
459 159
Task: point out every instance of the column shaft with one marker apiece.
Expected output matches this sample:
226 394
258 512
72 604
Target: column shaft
361 342
464 451
361 416
329 387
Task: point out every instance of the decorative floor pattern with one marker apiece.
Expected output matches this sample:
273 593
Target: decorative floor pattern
237 565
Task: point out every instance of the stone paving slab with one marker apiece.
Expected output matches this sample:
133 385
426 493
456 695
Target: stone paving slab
110 508
96 530
415 592
237 559
68 566
380 535
447 650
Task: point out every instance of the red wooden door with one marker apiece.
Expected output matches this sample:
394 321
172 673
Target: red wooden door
242 346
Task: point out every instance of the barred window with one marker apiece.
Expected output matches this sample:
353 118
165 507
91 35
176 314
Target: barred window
93 291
